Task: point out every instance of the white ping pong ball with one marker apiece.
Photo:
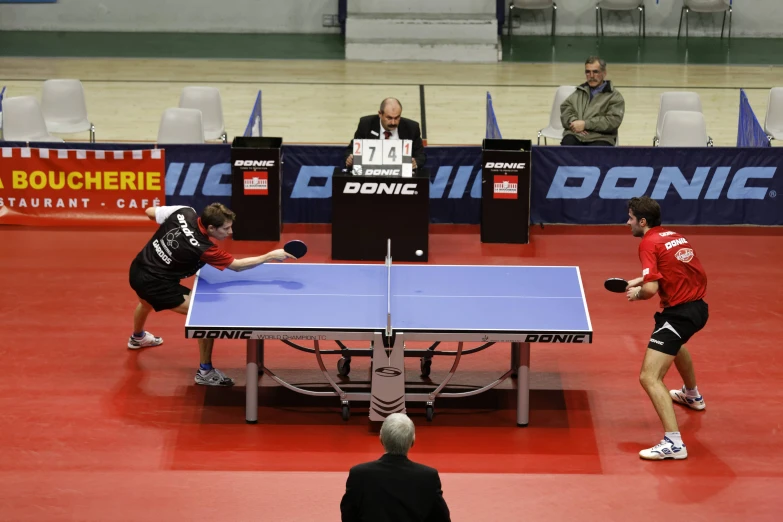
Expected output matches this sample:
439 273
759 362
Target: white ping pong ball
419 253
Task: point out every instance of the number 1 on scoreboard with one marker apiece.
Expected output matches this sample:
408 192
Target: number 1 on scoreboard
407 167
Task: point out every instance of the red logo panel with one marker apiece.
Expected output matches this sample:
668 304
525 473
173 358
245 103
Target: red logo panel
256 183
505 187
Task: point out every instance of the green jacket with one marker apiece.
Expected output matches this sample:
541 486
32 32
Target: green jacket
602 115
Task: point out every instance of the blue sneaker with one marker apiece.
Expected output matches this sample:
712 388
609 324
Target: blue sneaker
665 450
681 397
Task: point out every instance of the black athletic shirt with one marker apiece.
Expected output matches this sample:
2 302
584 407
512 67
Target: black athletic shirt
180 247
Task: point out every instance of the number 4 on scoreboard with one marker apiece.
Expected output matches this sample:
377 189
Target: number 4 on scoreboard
391 152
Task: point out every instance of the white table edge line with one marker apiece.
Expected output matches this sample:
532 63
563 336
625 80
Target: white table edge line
584 298
289 294
491 296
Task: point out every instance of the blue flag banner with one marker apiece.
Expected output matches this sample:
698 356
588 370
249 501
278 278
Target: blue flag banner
750 133
255 121
492 130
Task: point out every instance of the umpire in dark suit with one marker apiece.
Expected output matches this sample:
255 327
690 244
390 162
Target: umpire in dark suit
393 488
389 124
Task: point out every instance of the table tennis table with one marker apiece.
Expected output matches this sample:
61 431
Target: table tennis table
388 305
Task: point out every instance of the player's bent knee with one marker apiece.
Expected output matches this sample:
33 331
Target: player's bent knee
647 379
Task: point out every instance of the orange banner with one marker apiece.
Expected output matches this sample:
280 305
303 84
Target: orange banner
68 186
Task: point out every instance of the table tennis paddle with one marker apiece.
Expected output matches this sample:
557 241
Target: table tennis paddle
296 248
615 284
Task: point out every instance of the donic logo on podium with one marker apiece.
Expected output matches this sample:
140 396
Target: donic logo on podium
449 182
371 187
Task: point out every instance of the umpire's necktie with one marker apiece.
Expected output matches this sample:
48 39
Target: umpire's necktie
387 134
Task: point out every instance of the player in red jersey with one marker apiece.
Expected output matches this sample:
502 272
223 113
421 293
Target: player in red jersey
670 269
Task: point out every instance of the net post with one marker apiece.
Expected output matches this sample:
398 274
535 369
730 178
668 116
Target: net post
388 287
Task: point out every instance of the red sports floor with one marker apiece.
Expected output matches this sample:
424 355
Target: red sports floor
93 431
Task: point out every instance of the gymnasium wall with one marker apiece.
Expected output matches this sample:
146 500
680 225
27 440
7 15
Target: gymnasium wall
575 17
245 16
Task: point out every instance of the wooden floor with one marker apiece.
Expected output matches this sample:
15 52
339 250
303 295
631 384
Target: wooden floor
320 101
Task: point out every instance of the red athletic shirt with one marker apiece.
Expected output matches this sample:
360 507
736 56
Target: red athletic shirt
667 257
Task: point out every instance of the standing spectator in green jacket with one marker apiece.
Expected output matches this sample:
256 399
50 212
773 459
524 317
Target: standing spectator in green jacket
594 112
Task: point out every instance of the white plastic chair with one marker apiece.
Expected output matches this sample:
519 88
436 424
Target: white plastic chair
207 100
181 126
555 128
675 101
621 5
64 107
705 6
531 5
684 129
23 120
773 121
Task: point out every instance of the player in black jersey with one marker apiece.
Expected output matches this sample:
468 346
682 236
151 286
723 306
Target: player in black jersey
179 248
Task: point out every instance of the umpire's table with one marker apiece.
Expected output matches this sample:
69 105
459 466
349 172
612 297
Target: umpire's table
389 305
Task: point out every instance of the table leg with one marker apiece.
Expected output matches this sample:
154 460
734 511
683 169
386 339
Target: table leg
514 360
521 353
255 358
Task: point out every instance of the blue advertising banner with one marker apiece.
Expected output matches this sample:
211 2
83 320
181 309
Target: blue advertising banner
709 186
197 175
573 185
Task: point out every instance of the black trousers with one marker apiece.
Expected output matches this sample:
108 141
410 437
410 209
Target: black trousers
570 139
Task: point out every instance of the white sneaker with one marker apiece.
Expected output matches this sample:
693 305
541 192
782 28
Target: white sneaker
144 342
665 450
213 377
680 397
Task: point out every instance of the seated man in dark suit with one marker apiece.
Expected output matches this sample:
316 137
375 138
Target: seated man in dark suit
393 488
389 124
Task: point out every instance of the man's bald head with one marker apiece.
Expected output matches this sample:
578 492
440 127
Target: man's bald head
391 102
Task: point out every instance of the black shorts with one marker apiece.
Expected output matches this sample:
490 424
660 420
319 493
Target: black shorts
675 325
162 294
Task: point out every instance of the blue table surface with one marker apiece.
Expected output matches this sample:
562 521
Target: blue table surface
294 296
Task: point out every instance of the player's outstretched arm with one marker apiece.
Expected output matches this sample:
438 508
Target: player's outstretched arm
246 263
